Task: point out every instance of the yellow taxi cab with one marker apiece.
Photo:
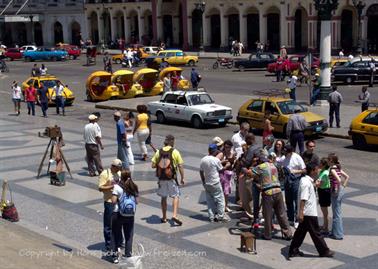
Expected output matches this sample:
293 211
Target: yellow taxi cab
335 62
123 79
118 57
176 57
281 108
49 81
149 80
99 87
364 128
183 84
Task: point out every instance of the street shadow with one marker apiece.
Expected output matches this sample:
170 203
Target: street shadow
65 248
154 219
368 148
200 217
285 252
97 246
12 115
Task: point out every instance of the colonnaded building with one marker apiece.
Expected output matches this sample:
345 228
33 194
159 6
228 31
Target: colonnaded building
179 23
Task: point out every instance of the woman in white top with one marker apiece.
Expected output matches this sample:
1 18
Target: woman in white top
43 70
16 97
129 126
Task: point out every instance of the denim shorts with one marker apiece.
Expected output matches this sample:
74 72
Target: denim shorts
168 188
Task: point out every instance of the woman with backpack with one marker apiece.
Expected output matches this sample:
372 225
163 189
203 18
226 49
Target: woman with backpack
124 197
339 179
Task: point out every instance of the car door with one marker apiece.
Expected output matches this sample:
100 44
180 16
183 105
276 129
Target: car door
255 113
369 126
275 118
264 60
181 108
180 58
253 60
168 106
170 57
362 70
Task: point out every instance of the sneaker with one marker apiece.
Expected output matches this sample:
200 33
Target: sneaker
328 254
296 224
116 260
227 209
224 219
211 219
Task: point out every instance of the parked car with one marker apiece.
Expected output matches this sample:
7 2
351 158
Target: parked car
364 128
357 69
72 50
45 54
253 112
28 48
260 60
13 54
292 63
195 107
151 50
172 57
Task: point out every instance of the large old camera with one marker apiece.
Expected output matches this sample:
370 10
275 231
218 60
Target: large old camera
52 132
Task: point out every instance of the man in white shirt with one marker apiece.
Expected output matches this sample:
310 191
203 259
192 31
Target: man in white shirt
59 97
238 139
92 138
130 57
210 167
292 83
16 97
308 216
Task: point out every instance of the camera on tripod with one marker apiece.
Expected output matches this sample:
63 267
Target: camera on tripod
51 132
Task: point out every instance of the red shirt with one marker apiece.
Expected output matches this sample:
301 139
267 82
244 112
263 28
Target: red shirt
30 94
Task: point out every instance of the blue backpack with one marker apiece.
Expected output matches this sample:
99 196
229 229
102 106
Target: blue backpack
127 205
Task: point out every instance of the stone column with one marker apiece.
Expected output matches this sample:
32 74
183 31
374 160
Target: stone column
283 35
89 29
66 34
140 26
206 30
224 30
176 30
113 31
47 34
159 21
154 8
100 27
184 12
243 28
190 32
262 26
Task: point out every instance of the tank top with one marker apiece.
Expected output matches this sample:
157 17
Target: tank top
335 184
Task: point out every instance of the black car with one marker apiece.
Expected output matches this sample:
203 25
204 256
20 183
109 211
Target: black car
353 71
260 60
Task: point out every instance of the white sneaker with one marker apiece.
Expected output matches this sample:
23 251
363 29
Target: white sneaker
296 224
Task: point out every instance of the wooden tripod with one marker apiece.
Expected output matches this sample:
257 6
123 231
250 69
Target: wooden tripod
53 142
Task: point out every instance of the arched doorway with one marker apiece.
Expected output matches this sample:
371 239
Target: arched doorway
148 34
372 33
273 28
94 28
21 36
346 37
107 28
233 24
38 34
58 33
168 30
120 25
134 27
300 30
196 28
75 33
215 28
253 28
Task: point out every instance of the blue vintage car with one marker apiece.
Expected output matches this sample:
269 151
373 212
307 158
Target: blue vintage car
45 54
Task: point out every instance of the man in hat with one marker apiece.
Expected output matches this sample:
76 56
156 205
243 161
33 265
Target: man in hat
92 138
168 184
121 140
108 178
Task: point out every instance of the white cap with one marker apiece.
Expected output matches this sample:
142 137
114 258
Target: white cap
117 114
218 141
117 163
92 117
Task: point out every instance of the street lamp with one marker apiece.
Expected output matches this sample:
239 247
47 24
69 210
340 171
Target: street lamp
201 8
359 5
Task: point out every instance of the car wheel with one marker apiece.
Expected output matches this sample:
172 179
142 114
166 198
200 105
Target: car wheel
230 65
191 63
118 61
54 59
223 124
71 57
160 117
197 122
358 141
215 65
28 59
349 80
241 68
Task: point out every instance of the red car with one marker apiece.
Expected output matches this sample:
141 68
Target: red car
13 54
292 63
73 51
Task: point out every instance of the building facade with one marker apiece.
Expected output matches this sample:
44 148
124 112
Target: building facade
178 23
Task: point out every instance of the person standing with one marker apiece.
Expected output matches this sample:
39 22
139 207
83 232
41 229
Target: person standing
195 78
308 217
174 81
268 128
130 57
295 130
308 155
129 126
141 129
43 70
316 82
238 139
363 98
167 83
283 52
228 160
292 83
16 97
107 179
35 72
93 144
121 140
210 166
30 98
334 99
279 69
44 98
59 97
324 192
167 161
373 69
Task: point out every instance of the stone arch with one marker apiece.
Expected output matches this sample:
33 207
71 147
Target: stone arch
107 32
197 24
214 27
148 28
58 32
119 24
300 29
134 26
348 28
93 20
253 26
372 26
233 23
38 34
273 27
75 33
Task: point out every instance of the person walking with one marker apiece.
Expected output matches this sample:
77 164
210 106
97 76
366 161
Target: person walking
308 217
121 140
44 98
324 192
141 129
125 197
308 155
167 161
107 179
174 81
364 98
167 83
30 98
195 78
292 83
210 166
59 97
295 130
129 127
93 144
334 99
339 180
43 70
35 72
373 69
16 97
279 69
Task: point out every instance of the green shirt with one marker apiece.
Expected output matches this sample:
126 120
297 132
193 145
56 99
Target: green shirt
324 179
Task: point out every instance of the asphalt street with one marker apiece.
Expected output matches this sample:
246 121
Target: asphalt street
72 214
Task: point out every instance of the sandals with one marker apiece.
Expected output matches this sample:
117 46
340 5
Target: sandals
177 221
163 220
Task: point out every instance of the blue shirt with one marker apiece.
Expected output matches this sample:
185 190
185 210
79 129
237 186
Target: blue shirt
120 131
194 76
43 94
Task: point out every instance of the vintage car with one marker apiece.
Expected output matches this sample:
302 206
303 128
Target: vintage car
28 48
123 79
195 107
49 81
72 50
364 128
45 54
183 84
149 80
13 54
292 63
172 57
281 109
151 50
99 87
260 60
357 69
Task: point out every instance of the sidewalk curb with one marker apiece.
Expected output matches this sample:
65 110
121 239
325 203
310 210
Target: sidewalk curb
337 136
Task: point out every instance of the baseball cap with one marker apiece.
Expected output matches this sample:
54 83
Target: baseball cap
117 163
217 141
92 117
117 114
213 147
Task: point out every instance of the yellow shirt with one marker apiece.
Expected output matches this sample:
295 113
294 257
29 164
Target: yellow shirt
176 157
143 119
105 178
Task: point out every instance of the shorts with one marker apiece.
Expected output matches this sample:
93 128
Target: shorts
16 100
324 197
225 180
168 188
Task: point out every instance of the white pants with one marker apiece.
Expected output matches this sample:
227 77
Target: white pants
130 154
142 136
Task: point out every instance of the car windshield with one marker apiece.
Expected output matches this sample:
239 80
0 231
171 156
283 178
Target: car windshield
289 107
49 83
200 99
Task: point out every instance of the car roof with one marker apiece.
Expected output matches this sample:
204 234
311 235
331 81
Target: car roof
358 59
272 99
171 50
187 92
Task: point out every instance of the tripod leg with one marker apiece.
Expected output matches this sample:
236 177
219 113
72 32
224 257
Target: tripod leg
43 159
51 154
65 162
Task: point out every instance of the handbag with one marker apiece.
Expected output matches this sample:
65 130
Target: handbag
9 209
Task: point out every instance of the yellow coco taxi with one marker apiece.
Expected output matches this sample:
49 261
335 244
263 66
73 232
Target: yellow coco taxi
99 87
123 79
176 57
364 128
149 80
253 112
49 81
183 84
